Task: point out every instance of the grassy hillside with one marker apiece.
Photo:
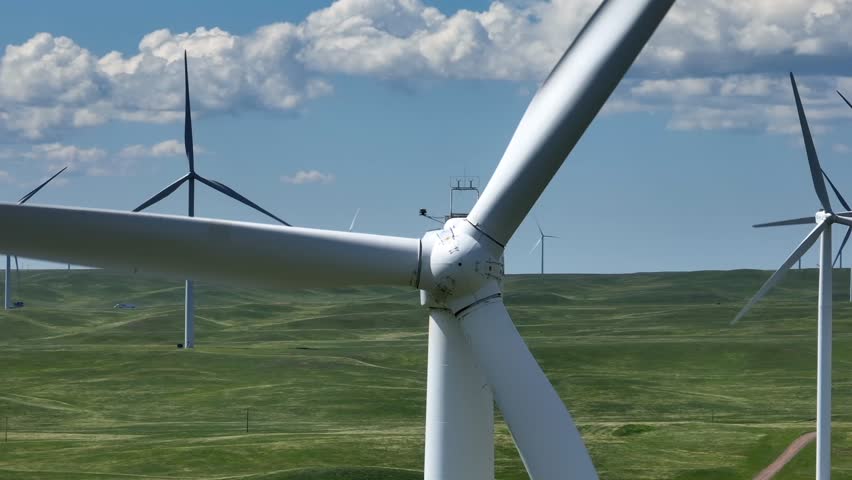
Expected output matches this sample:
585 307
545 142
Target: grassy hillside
334 380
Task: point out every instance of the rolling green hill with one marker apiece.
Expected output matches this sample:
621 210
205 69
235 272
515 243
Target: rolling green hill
334 380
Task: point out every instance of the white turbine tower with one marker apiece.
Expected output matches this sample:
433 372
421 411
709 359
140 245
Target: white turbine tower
824 219
7 286
191 177
541 237
476 356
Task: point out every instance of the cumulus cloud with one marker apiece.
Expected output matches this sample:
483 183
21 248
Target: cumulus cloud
166 148
308 176
89 161
79 160
50 84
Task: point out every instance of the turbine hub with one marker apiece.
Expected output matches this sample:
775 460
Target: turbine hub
822 215
459 266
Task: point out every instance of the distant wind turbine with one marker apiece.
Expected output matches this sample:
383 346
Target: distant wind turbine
191 177
824 219
540 241
848 230
352 225
7 290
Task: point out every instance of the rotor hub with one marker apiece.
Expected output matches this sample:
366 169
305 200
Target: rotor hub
822 215
459 266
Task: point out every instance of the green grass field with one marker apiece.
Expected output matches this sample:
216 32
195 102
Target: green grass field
334 380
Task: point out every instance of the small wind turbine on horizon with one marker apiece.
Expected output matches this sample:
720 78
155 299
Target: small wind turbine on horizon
7 287
540 241
352 225
824 219
190 178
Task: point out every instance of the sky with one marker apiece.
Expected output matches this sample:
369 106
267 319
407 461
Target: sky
315 109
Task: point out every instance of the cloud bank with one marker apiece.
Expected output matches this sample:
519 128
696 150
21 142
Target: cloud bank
713 64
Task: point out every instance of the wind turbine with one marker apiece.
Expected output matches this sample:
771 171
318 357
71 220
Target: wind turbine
7 287
824 219
848 230
191 177
476 356
540 241
355 217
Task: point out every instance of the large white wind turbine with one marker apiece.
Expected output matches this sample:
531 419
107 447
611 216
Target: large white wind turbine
824 219
541 237
7 286
191 177
476 356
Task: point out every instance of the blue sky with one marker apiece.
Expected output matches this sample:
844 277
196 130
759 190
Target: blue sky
387 100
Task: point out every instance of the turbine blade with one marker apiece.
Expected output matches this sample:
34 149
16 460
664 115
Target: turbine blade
544 433
205 249
779 274
794 221
563 108
836 192
843 220
843 244
29 195
844 98
163 193
187 119
222 188
536 245
352 225
810 149
540 231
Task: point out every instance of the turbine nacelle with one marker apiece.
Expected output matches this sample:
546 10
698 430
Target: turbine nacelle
459 266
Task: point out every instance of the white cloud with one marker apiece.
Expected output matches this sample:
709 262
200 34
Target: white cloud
166 148
79 160
705 48
754 102
841 148
5 178
88 161
308 176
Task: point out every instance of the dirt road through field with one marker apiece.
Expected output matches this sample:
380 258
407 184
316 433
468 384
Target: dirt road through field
794 448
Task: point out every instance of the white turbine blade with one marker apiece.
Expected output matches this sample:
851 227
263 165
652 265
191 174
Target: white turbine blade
844 220
536 245
352 225
562 109
794 221
205 249
779 274
545 435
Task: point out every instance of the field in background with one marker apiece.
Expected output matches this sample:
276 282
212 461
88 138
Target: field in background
334 380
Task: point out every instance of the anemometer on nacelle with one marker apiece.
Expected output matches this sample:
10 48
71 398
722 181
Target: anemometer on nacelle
464 192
